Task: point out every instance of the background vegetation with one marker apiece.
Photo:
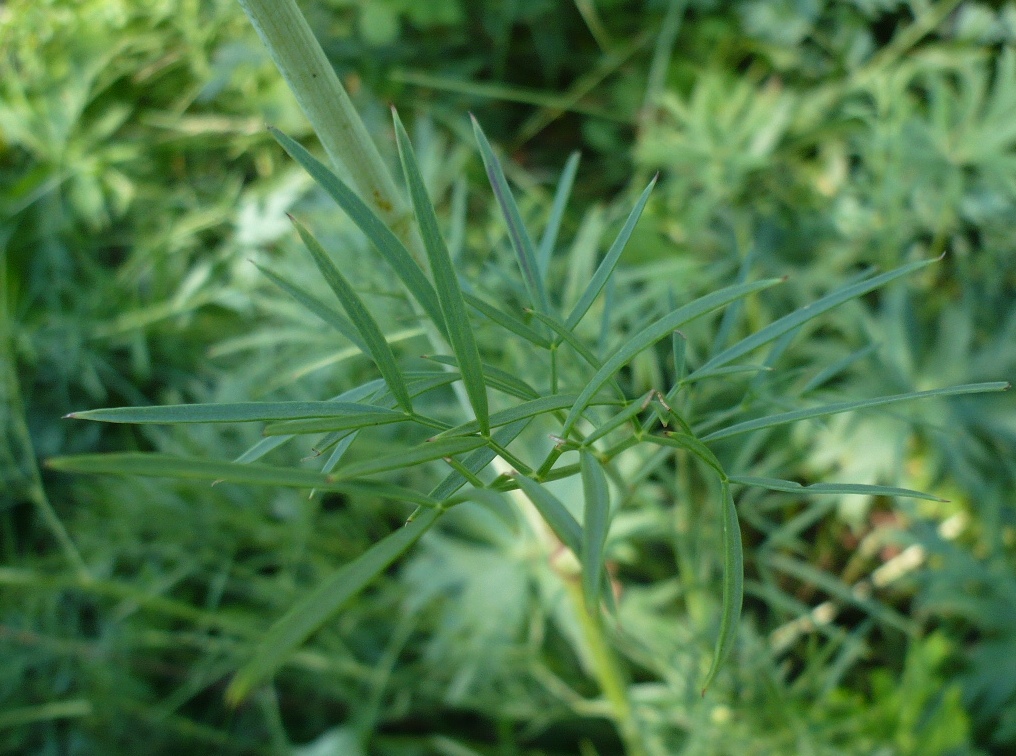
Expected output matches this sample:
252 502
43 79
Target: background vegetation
807 139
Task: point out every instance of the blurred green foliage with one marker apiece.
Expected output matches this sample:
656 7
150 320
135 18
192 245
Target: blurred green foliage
811 138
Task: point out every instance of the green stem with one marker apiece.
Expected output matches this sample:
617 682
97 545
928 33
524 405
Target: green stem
607 671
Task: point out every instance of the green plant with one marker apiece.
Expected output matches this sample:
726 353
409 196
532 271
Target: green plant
603 400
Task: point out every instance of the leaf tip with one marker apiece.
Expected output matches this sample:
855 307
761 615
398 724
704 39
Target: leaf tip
70 416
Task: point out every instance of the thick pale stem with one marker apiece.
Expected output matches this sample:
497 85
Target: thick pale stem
302 62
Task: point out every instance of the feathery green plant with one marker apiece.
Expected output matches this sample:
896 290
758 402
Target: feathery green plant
493 443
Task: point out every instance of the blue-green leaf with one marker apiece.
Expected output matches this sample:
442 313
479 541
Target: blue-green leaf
834 409
549 239
382 237
460 333
377 346
311 612
517 232
609 262
804 314
656 331
236 412
733 583
595 525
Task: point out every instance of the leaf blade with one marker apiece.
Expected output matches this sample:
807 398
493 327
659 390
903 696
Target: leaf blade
229 412
309 613
554 513
453 306
427 452
522 242
609 262
377 345
790 486
384 240
733 584
595 525
839 407
561 195
798 317
656 331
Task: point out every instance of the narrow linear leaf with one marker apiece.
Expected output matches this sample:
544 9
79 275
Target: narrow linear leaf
556 515
460 333
387 243
333 424
549 239
693 445
416 455
733 584
266 445
533 408
609 262
834 409
595 525
806 313
261 448
313 610
506 321
317 307
496 378
790 486
521 241
656 331
156 465
236 412
377 346
565 335
831 371
728 370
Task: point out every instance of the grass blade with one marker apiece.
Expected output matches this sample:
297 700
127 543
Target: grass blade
596 523
377 346
416 455
549 239
460 334
313 610
317 307
806 313
521 241
656 331
834 409
609 262
238 412
733 584
790 486
375 229
556 515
